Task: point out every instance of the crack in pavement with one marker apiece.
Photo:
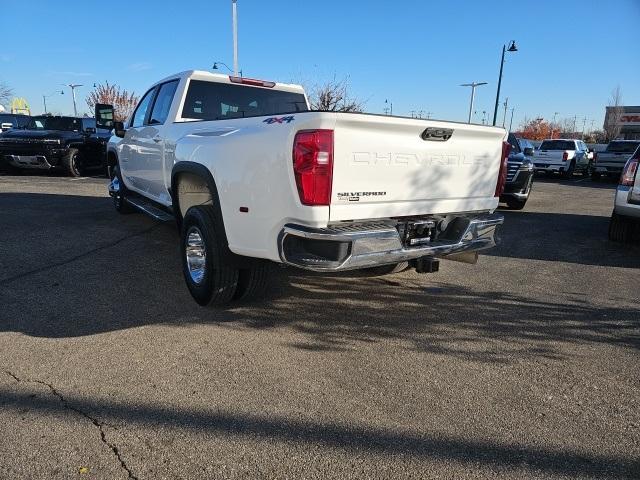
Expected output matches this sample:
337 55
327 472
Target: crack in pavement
77 257
99 425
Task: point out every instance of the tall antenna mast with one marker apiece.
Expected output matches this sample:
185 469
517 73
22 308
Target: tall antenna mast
235 37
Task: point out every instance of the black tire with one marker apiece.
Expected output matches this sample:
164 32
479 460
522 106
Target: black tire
219 280
569 172
620 228
120 197
71 163
388 269
253 281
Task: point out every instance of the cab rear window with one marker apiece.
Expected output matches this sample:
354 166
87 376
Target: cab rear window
557 145
622 147
220 101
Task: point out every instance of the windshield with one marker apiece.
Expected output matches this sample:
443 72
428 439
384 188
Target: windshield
557 145
67 124
622 147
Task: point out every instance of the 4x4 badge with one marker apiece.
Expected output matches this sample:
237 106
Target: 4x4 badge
271 120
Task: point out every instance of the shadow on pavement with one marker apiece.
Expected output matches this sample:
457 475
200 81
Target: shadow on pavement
75 267
560 237
355 439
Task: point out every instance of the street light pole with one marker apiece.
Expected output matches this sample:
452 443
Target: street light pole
73 87
511 122
44 99
505 105
235 37
512 48
473 86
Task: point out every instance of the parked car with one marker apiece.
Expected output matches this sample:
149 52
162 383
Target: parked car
613 159
625 219
12 120
519 173
252 177
564 156
51 142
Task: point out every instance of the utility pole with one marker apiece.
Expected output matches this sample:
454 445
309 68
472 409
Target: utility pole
584 124
484 117
553 124
473 86
505 105
511 122
386 109
235 37
73 87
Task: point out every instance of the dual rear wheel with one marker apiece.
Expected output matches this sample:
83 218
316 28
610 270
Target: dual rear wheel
212 272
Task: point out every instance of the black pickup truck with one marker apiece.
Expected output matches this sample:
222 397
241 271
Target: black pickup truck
69 144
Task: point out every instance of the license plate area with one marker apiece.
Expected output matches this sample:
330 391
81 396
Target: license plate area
416 232
29 160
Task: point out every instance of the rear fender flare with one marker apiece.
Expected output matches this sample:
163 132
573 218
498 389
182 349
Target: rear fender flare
203 172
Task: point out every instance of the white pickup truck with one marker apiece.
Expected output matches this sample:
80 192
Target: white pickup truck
561 155
253 177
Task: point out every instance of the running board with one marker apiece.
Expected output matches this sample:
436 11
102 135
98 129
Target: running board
150 209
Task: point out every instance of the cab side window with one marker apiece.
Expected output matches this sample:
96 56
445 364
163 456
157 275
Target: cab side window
162 104
142 109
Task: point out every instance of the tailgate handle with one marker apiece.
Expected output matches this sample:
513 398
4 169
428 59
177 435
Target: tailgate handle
433 134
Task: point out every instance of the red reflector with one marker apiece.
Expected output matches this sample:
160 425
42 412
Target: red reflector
502 174
565 156
252 81
313 165
595 157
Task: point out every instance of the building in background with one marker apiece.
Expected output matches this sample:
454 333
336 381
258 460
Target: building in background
627 119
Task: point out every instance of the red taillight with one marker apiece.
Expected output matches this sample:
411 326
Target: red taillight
252 81
595 157
628 176
313 165
502 174
565 156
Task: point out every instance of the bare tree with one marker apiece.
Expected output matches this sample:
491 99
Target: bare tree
123 102
334 96
615 110
5 93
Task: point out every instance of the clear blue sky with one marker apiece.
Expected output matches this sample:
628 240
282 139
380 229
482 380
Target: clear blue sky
572 53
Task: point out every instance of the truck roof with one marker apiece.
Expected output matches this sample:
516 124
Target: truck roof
220 78
563 139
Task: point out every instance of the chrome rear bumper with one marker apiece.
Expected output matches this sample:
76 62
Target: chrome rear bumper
352 247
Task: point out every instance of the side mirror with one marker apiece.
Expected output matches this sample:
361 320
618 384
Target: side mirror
528 152
118 129
90 130
104 116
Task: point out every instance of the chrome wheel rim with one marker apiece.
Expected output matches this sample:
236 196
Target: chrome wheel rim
196 255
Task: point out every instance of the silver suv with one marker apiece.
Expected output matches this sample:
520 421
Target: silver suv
625 219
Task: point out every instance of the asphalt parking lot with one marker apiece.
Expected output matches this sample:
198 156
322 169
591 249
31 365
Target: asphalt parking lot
523 366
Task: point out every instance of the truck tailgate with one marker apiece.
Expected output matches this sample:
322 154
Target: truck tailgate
549 156
388 166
